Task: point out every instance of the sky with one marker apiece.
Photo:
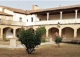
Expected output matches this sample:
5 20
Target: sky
27 4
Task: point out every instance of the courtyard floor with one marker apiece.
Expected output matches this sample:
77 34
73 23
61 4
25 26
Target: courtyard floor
47 50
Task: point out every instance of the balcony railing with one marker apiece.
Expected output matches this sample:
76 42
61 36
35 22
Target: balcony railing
10 22
18 23
68 21
5 22
63 21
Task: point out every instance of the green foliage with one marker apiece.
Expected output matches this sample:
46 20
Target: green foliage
58 39
31 38
39 33
4 37
43 40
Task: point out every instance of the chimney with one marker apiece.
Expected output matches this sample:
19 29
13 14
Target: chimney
35 7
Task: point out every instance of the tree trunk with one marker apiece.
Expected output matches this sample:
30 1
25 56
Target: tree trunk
58 44
29 51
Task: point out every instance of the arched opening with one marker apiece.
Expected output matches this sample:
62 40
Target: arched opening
8 32
52 32
78 33
17 32
68 32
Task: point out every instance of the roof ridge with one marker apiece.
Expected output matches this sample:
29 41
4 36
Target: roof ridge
11 7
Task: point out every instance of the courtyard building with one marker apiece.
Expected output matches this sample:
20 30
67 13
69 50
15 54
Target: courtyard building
65 20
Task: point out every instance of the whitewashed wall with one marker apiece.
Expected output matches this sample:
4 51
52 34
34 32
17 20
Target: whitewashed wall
24 17
16 17
1 8
8 11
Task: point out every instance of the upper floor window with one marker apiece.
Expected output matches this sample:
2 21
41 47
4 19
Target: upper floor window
20 19
31 19
27 20
40 19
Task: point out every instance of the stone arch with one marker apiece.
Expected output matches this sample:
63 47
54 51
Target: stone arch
52 31
67 32
17 31
8 32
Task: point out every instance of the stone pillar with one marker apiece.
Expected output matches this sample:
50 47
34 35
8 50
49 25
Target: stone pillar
60 32
47 16
12 42
76 14
1 33
47 39
46 33
60 15
75 33
14 33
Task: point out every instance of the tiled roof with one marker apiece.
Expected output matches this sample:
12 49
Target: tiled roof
56 8
15 10
41 10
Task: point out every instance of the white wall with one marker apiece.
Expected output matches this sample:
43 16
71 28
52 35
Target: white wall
16 17
1 8
8 11
24 17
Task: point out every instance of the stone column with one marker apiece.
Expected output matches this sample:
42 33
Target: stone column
47 39
60 32
14 33
60 15
75 33
76 14
47 16
1 33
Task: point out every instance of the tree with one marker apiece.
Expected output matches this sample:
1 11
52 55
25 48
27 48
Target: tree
58 40
31 38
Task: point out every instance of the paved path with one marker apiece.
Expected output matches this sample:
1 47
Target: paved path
21 46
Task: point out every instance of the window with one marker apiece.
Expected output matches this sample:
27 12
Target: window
20 19
31 19
40 19
27 20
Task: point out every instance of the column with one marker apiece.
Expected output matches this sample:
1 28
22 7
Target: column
46 33
60 15
76 15
14 33
47 16
75 33
47 39
1 33
60 32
